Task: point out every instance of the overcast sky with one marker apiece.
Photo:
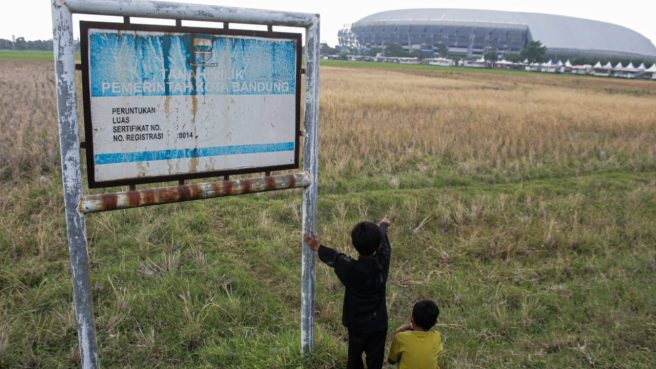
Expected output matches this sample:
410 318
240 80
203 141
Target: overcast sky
32 18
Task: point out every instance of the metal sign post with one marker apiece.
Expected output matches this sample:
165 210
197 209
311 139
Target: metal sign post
311 164
77 204
69 145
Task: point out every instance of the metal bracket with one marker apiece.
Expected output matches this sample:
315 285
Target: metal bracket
187 192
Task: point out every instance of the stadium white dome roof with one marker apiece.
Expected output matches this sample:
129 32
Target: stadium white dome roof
556 32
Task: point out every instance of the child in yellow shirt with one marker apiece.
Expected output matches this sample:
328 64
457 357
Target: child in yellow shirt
415 346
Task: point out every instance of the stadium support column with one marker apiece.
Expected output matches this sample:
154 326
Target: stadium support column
470 48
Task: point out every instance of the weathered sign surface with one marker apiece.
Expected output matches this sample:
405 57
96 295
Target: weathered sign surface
166 103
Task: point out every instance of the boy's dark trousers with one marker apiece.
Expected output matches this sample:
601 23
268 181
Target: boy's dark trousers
372 344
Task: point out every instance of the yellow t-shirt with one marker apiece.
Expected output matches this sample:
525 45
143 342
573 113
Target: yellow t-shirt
416 349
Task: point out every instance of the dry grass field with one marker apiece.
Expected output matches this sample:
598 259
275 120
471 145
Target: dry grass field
391 122
28 137
486 127
523 204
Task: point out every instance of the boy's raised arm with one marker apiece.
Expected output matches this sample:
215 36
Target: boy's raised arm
386 247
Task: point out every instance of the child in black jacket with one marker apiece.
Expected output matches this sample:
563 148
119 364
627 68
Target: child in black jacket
364 313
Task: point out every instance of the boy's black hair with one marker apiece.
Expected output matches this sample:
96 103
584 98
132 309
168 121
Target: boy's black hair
366 237
425 314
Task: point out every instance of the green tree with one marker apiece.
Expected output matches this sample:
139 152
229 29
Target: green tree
5 44
396 50
374 51
20 43
325 49
442 50
491 55
513 57
39 45
534 51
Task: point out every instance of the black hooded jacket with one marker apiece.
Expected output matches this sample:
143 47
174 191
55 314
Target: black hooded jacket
364 307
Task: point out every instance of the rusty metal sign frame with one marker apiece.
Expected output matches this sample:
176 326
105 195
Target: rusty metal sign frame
74 198
88 122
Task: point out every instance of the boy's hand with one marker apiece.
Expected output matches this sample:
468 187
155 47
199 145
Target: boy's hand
385 221
312 240
404 327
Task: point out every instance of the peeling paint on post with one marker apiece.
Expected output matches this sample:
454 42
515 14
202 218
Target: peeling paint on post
198 12
64 52
310 165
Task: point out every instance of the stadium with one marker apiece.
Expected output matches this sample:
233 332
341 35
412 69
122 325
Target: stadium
470 33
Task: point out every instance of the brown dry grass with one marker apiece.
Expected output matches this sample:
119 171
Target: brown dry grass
379 121
387 123
28 119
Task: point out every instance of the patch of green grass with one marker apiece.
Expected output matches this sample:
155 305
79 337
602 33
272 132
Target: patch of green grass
418 67
25 55
549 273
30 55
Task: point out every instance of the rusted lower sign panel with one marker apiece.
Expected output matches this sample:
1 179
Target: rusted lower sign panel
166 103
196 191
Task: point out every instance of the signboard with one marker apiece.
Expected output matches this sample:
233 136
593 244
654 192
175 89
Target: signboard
166 103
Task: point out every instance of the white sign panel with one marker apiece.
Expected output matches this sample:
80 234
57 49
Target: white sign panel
167 103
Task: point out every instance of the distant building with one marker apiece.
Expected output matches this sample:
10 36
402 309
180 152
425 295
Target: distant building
470 33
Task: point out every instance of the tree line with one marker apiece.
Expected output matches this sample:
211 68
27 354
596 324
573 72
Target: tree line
533 51
21 44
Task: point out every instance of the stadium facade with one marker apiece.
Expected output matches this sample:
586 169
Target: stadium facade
471 33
